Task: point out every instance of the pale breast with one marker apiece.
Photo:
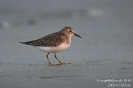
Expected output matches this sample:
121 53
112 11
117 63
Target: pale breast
59 48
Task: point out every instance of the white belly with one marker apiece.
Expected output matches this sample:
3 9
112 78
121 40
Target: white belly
54 49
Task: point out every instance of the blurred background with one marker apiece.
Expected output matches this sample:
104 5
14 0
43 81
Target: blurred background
85 14
105 25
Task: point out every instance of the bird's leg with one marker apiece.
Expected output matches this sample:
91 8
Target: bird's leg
48 59
50 62
58 59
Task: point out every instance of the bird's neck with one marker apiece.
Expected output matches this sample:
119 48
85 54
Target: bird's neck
68 40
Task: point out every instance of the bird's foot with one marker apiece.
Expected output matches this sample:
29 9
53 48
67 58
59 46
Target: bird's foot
58 64
54 64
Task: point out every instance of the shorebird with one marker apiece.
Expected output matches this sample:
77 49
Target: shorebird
54 42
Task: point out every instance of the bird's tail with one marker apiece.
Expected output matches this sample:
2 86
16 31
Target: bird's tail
27 43
22 42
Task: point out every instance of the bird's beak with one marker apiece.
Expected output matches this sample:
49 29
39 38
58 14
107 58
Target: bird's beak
77 35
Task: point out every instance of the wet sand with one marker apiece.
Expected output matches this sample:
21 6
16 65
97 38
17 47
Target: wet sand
104 53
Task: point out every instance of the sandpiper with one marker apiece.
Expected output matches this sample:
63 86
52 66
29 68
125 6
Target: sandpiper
54 43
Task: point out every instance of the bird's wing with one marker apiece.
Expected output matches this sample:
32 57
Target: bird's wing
51 40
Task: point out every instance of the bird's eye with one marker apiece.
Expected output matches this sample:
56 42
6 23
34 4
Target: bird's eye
70 31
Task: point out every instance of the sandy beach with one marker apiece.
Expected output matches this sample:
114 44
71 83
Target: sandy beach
102 58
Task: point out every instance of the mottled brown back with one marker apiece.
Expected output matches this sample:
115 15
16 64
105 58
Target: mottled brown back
51 40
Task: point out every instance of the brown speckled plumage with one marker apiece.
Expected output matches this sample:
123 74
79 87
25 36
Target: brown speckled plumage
51 40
